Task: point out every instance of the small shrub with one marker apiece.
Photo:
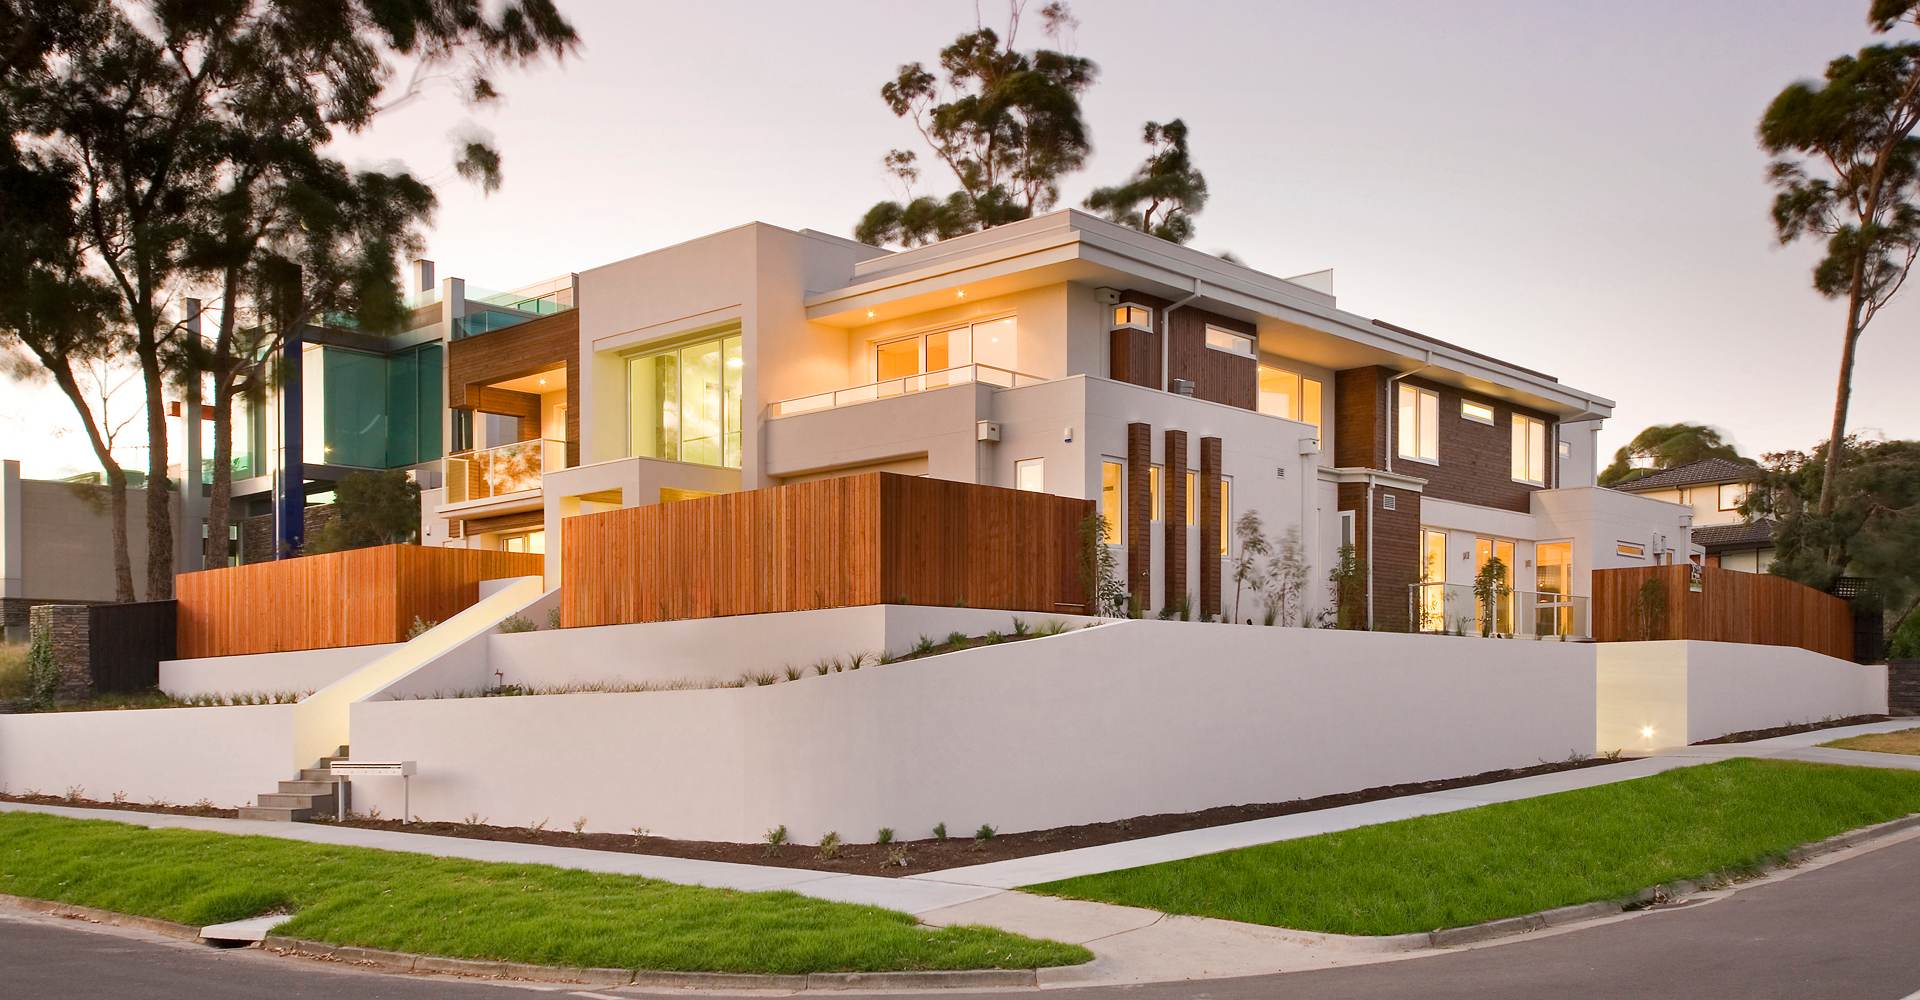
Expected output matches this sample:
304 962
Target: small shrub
994 638
43 674
639 831
1020 626
373 813
205 805
884 836
823 668
940 831
984 834
120 798
922 646
579 826
517 623
857 660
956 639
759 679
1614 754
1052 626
794 673
886 657
829 846
553 618
419 627
539 826
777 836
897 858
75 793
473 820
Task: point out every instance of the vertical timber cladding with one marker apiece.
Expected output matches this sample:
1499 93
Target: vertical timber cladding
1174 520
1209 527
1140 514
1217 376
875 538
515 352
1730 606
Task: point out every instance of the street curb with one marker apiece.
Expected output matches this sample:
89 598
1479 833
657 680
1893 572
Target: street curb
184 932
400 961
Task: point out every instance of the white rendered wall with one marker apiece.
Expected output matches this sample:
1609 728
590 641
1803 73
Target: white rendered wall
1129 718
174 755
722 649
1676 692
302 670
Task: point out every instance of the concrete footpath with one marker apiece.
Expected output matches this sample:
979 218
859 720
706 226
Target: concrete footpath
1132 945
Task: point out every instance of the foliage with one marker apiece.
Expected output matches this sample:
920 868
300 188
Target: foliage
1666 446
1513 858
1162 196
43 673
1348 589
1286 580
1249 562
884 835
513 624
1904 643
1100 570
1650 610
776 836
984 834
1846 171
830 846
940 830
13 671
469 909
553 618
1490 592
1006 123
370 508
419 628
1873 530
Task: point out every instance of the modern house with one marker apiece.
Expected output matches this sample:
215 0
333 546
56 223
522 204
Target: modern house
1062 354
1714 489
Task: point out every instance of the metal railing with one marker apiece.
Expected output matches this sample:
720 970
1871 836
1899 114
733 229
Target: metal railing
1454 609
503 469
906 385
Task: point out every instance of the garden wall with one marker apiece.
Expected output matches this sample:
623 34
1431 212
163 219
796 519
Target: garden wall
176 755
1124 719
299 670
1676 692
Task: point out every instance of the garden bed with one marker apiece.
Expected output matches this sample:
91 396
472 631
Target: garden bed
961 848
1748 736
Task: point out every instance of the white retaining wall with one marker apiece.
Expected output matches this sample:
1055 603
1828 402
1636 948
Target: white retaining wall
175 755
1654 695
302 670
1129 718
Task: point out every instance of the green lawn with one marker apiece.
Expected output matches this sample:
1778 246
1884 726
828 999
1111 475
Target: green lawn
467 909
1520 857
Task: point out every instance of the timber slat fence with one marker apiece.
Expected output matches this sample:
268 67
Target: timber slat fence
354 598
874 538
1729 607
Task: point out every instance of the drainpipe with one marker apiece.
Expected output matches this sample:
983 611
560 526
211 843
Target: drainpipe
1393 407
1371 482
1166 334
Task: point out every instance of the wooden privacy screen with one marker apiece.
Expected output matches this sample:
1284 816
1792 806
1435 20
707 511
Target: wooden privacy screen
353 598
875 538
1729 607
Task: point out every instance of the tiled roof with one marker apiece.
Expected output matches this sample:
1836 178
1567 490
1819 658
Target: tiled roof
1712 470
1745 535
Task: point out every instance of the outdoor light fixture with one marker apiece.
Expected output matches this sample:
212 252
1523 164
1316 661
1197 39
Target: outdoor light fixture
961 294
869 314
1646 732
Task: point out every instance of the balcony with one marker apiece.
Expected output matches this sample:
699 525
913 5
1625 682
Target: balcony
906 385
488 311
1454 609
502 470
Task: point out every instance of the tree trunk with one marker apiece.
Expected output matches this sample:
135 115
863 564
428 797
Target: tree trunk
1842 395
116 477
220 494
159 507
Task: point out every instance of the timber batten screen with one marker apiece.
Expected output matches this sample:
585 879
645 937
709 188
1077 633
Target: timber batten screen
1730 606
876 538
359 597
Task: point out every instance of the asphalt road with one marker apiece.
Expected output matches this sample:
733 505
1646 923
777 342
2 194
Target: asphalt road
1848 931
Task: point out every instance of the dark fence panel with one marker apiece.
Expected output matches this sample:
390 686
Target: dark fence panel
126 643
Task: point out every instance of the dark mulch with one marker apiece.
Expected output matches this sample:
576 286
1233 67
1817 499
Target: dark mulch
1761 734
129 806
960 849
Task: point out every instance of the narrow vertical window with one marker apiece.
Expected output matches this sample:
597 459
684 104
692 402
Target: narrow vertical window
1193 500
1110 480
1153 490
1226 514
1529 450
1419 433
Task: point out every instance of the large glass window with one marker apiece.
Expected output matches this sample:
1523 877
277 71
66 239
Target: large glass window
994 342
1433 579
684 404
1110 486
1419 423
1553 562
1486 550
1290 395
1529 450
371 411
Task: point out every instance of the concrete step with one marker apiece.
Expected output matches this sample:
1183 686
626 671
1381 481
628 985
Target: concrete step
298 801
316 774
307 786
278 814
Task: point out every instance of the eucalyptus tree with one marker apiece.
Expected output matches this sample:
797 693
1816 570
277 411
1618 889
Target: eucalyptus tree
1846 171
168 115
1162 196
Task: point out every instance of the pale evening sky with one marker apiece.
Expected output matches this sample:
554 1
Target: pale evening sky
1570 186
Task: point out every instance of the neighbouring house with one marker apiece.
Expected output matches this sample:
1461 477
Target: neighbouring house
56 544
1713 490
1061 354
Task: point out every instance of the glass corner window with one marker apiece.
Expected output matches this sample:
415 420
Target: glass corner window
684 404
1132 317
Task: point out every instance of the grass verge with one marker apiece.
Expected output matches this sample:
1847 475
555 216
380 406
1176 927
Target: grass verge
1905 741
467 909
1515 858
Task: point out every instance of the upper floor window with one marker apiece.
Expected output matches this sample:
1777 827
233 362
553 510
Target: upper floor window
1731 495
1419 423
1222 339
1529 450
1132 317
684 404
1479 413
1290 395
993 342
1030 474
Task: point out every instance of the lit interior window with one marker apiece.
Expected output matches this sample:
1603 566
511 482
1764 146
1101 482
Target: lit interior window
1135 317
1232 343
1110 479
1478 412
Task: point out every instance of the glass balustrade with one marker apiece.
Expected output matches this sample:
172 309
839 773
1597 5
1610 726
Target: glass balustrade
502 470
904 386
1454 609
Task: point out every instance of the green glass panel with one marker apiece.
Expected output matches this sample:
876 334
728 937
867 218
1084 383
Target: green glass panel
431 398
403 397
355 417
